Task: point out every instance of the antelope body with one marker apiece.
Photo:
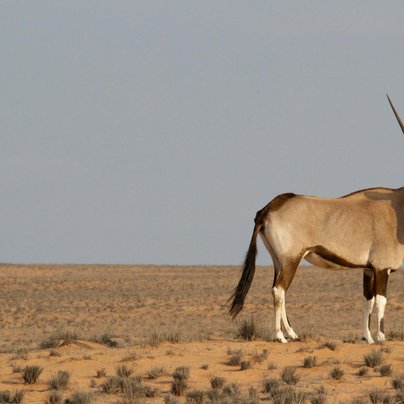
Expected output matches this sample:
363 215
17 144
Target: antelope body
364 229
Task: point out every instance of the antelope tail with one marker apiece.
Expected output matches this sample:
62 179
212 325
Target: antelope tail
247 276
400 122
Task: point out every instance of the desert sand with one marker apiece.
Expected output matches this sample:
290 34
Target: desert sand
66 317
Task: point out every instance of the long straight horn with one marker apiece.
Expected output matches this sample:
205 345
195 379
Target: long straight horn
400 122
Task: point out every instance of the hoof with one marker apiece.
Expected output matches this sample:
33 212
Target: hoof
280 337
380 337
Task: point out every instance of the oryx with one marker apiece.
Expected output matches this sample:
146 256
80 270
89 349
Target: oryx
364 229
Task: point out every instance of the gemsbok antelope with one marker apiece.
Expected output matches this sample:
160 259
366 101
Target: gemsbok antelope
364 229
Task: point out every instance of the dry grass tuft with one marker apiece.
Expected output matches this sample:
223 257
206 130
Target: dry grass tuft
329 344
373 358
81 398
180 380
123 371
217 382
362 371
31 374
155 372
248 329
54 397
7 397
59 339
234 360
244 365
289 375
385 370
100 373
60 380
310 361
336 373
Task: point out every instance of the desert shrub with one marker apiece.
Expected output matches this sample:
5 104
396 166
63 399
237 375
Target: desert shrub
100 373
385 369
123 371
80 398
155 372
272 366
16 367
31 374
59 338
253 396
398 381
271 386
362 372
107 340
378 396
195 397
113 385
7 398
131 387
180 380
319 395
290 395
336 373
60 380
396 334
130 357
373 358
248 329
217 382
310 361
329 344
157 336
54 397
234 360
93 383
350 339
169 399
232 390
244 365
259 358
289 375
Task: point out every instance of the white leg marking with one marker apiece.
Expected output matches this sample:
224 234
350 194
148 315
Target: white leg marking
368 309
288 328
380 304
279 297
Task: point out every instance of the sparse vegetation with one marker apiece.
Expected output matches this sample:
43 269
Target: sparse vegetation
155 372
310 361
16 367
329 344
259 358
234 360
244 365
205 366
123 371
54 397
378 396
336 373
217 382
8 398
319 395
398 381
195 397
385 369
100 373
248 329
396 334
271 386
80 398
106 339
31 374
60 380
59 339
363 371
289 375
272 366
131 387
180 380
373 358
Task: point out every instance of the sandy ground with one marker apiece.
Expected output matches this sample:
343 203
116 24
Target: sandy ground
138 306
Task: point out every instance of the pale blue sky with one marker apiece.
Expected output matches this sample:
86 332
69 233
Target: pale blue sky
152 131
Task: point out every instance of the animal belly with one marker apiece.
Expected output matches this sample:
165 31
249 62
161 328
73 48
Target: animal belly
321 262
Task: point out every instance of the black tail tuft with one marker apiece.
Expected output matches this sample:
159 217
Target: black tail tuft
248 270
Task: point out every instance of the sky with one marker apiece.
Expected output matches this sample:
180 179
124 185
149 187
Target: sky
150 132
